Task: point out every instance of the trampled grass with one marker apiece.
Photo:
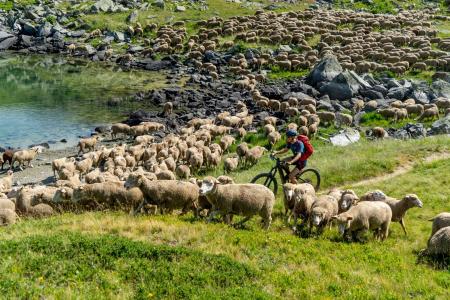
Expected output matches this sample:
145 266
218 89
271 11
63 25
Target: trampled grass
114 255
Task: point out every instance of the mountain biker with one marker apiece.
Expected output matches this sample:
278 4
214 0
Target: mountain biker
298 149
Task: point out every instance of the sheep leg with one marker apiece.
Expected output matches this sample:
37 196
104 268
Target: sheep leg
138 209
212 214
402 223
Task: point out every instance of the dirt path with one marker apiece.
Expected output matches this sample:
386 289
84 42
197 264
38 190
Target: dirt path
403 169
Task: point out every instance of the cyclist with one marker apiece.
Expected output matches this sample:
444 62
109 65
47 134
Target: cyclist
296 144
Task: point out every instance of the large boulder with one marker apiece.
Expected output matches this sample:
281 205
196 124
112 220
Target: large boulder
104 6
343 87
7 40
325 71
441 126
441 88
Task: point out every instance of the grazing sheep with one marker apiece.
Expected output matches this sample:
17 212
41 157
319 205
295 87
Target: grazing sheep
439 221
274 137
183 172
7 204
7 157
298 198
144 139
242 150
230 164
430 113
375 216
84 166
343 119
442 103
107 194
24 156
415 109
59 164
168 108
167 194
438 244
379 133
254 154
347 200
120 128
322 210
7 217
40 211
6 182
326 117
88 144
241 199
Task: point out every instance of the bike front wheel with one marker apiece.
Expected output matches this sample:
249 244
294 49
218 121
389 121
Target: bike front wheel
311 176
267 180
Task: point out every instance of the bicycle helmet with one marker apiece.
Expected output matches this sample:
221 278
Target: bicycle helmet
291 133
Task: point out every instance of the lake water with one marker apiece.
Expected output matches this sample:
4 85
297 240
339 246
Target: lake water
49 98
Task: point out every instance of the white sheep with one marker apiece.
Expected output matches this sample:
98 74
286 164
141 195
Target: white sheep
322 210
440 221
24 156
242 199
230 164
6 182
88 144
7 217
375 216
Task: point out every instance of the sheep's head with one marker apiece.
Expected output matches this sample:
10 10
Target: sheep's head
10 173
208 185
413 200
343 221
318 215
288 189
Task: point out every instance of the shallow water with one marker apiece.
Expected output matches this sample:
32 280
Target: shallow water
49 98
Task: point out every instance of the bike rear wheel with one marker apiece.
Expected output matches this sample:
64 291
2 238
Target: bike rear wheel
311 176
267 180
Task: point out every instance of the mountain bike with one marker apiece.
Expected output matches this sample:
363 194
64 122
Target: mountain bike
307 175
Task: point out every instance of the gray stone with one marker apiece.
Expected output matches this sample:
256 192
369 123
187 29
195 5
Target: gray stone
441 88
45 30
5 35
409 131
343 87
441 126
7 43
159 3
420 96
119 36
180 8
326 70
398 92
104 6
345 137
28 29
285 48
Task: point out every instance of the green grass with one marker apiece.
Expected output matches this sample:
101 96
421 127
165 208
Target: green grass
10 4
114 255
277 74
373 119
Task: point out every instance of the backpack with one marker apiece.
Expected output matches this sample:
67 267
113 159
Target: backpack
309 150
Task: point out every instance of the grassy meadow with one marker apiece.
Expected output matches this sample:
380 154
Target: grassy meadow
112 255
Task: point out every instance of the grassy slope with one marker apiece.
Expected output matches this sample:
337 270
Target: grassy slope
57 256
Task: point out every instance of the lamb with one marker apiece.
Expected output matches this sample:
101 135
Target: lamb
6 182
23 156
168 194
322 210
88 144
183 172
120 128
230 164
242 199
347 200
438 244
375 216
440 221
168 108
379 133
298 198
107 194
7 217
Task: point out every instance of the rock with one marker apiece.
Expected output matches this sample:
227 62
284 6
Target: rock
45 30
372 94
409 131
345 137
103 6
159 3
7 43
326 70
397 93
119 36
101 129
343 87
419 95
441 88
28 29
63 141
133 17
441 75
441 126
180 8
43 145
285 48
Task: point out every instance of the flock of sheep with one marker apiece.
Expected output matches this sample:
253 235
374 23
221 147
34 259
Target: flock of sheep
363 42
